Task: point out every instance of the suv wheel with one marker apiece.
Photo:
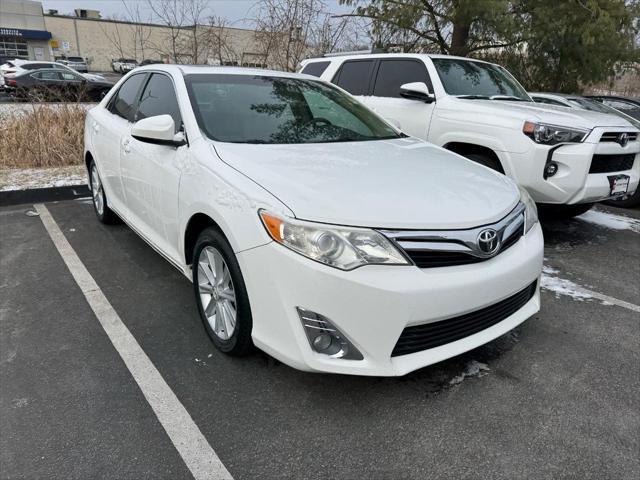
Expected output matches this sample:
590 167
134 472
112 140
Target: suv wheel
221 294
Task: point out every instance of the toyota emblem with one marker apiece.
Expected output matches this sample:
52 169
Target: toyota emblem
488 241
623 139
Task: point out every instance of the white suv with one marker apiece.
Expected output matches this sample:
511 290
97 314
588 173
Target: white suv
569 159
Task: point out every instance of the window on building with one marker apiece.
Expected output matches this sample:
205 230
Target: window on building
354 76
124 102
392 74
13 47
159 98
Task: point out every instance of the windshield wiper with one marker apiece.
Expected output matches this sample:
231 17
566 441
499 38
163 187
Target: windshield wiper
507 97
474 97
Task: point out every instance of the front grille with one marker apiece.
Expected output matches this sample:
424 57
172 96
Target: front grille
611 163
434 258
430 335
613 136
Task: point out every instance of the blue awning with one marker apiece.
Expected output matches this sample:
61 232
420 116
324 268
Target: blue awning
26 34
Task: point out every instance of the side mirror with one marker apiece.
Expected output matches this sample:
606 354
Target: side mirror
417 91
159 130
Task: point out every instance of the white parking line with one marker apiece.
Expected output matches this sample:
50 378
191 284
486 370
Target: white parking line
562 286
194 449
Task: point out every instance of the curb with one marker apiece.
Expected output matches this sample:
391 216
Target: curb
39 195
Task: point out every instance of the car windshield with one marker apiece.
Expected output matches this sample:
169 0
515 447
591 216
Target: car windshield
279 110
588 105
76 59
594 106
478 80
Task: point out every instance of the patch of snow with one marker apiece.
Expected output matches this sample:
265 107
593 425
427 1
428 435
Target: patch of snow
28 178
611 220
561 286
471 369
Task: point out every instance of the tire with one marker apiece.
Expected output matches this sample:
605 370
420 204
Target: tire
485 160
630 201
560 212
213 288
100 205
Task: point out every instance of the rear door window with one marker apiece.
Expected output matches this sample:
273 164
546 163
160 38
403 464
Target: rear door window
354 76
47 75
315 68
125 100
159 98
392 74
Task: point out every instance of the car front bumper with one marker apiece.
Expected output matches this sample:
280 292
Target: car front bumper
573 184
372 305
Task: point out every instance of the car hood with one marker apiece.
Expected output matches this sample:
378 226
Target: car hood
400 184
530 111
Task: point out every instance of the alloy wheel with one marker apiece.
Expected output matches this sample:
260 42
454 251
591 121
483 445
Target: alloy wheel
96 190
217 294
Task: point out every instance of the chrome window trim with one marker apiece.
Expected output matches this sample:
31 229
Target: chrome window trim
460 241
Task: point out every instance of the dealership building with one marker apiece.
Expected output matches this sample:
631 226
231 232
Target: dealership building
27 31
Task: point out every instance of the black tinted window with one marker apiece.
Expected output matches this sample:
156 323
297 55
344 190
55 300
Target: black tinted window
316 68
354 76
36 66
394 73
124 102
159 98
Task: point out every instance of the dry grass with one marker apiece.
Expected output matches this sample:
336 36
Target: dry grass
42 135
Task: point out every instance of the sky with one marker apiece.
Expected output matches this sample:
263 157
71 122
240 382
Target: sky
236 11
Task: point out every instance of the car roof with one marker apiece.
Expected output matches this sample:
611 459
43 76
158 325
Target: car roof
337 57
208 69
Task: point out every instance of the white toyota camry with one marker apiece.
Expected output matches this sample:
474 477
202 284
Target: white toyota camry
312 228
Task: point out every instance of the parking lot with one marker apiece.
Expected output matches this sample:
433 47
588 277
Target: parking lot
556 398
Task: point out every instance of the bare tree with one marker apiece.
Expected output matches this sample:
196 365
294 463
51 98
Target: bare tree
217 43
141 31
284 29
115 35
182 17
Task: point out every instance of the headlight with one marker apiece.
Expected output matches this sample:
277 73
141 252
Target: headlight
340 247
530 212
553 134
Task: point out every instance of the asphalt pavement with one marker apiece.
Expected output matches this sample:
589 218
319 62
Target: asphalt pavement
556 398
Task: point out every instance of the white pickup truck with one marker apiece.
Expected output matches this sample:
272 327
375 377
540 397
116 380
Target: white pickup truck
566 159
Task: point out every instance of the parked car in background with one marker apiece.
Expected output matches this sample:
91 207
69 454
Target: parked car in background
628 105
150 61
21 66
308 224
123 65
563 157
584 103
52 84
79 64
631 199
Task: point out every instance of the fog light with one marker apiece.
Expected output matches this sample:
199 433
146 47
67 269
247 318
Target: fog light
322 342
325 338
551 169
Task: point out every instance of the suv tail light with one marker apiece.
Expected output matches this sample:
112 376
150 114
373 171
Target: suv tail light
9 81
